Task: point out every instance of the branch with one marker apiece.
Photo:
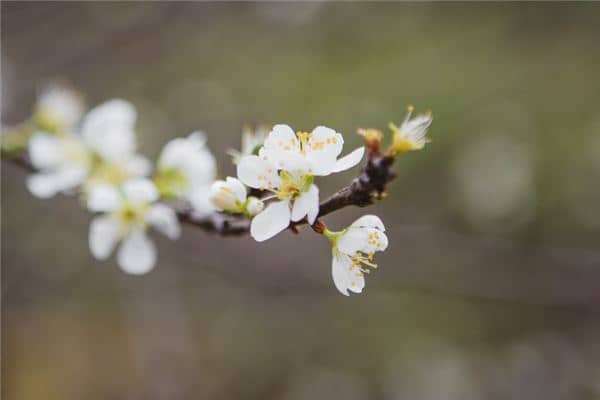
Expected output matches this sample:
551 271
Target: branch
362 191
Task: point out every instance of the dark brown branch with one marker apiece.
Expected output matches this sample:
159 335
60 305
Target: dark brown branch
368 186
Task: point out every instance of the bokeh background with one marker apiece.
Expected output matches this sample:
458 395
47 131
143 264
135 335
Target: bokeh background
490 288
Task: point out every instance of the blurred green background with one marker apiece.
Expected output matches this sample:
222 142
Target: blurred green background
490 288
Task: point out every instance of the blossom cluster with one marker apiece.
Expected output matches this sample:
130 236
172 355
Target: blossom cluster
93 155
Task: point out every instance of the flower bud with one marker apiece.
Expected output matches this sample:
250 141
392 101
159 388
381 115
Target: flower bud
254 206
224 198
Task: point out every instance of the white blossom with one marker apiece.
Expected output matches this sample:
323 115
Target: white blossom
252 140
127 214
411 135
102 153
186 169
63 163
353 250
58 109
286 166
231 196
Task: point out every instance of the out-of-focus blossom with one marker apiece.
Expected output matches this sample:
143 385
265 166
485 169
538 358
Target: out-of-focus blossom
186 169
58 109
230 196
353 250
252 140
127 214
63 163
104 152
411 135
109 131
286 166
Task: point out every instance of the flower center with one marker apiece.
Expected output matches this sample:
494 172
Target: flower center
304 139
361 263
132 215
110 173
292 185
171 182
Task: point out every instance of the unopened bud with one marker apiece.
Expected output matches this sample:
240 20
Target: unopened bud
254 206
224 198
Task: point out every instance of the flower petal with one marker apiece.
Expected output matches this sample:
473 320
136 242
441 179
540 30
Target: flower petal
349 160
369 221
365 240
140 190
344 276
281 142
109 129
237 187
322 150
103 198
137 254
103 236
200 200
43 185
44 151
164 220
307 204
138 166
257 173
46 185
274 219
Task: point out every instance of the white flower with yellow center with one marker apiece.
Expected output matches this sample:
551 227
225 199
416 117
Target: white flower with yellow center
411 135
104 152
186 169
63 163
317 151
108 130
353 250
252 140
286 166
128 212
231 196
58 109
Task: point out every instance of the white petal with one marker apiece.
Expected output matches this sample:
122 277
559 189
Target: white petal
103 198
103 236
138 166
164 219
61 104
339 272
197 139
44 151
200 200
323 148
349 160
172 153
237 187
369 221
365 240
137 254
344 277
281 142
307 204
296 163
109 129
43 185
257 173
274 219
140 190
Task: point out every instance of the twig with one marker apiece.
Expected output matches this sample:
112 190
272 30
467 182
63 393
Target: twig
368 186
